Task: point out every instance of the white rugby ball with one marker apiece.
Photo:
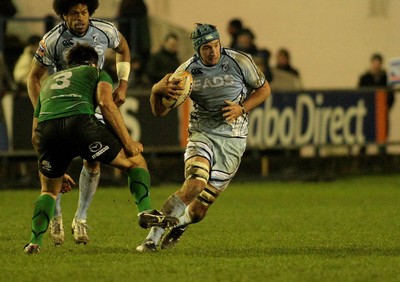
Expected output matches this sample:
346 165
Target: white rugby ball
186 82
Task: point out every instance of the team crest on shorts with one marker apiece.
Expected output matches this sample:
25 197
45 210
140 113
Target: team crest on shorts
98 149
95 146
46 165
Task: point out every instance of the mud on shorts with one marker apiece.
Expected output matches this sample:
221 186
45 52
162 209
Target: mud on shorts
223 153
63 139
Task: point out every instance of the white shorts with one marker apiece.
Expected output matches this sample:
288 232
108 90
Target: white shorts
223 153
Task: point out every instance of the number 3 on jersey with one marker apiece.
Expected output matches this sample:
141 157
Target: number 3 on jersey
62 80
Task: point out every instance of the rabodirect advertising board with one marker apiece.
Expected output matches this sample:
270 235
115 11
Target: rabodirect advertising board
319 118
285 119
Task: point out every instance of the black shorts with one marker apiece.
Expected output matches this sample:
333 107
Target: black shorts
61 140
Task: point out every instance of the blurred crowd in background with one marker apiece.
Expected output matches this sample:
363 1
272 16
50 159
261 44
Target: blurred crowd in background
149 66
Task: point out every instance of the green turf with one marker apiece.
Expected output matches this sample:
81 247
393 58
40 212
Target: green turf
347 230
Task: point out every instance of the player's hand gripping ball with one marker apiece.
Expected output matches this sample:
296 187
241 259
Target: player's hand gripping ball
186 82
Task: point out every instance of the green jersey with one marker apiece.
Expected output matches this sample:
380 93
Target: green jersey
70 92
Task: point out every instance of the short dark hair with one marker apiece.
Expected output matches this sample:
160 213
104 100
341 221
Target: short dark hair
248 32
377 56
61 7
236 23
82 54
284 52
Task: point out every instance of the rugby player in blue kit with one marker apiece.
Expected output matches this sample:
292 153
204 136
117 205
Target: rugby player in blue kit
227 85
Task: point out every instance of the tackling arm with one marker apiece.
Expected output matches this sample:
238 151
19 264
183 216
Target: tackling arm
114 118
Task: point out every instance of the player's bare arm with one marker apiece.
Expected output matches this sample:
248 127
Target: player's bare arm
233 110
35 140
157 91
257 97
33 82
123 66
114 118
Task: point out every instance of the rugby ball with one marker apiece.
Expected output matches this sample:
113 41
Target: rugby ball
183 79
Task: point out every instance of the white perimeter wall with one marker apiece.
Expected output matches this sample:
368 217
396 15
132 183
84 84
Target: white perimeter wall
330 40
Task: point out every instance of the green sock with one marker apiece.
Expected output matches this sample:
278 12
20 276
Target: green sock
42 214
139 184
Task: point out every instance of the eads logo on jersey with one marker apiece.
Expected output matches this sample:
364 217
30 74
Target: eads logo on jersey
68 42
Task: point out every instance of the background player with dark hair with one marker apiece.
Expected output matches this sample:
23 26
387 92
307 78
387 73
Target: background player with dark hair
78 27
165 60
65 127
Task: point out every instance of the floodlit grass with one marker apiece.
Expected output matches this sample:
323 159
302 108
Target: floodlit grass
347 230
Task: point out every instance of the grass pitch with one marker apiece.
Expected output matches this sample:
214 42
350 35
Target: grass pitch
347 230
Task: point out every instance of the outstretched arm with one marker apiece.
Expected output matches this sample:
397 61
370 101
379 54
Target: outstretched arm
115 120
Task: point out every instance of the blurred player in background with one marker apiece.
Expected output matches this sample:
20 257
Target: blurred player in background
226 85
77 27
376 77
165 60
65 127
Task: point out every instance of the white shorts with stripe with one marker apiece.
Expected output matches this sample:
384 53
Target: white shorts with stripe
223 153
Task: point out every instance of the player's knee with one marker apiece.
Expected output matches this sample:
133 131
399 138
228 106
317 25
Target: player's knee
197 170
190 190
91 167
138 161
141 161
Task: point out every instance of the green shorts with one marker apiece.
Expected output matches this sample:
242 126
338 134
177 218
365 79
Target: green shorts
223 153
